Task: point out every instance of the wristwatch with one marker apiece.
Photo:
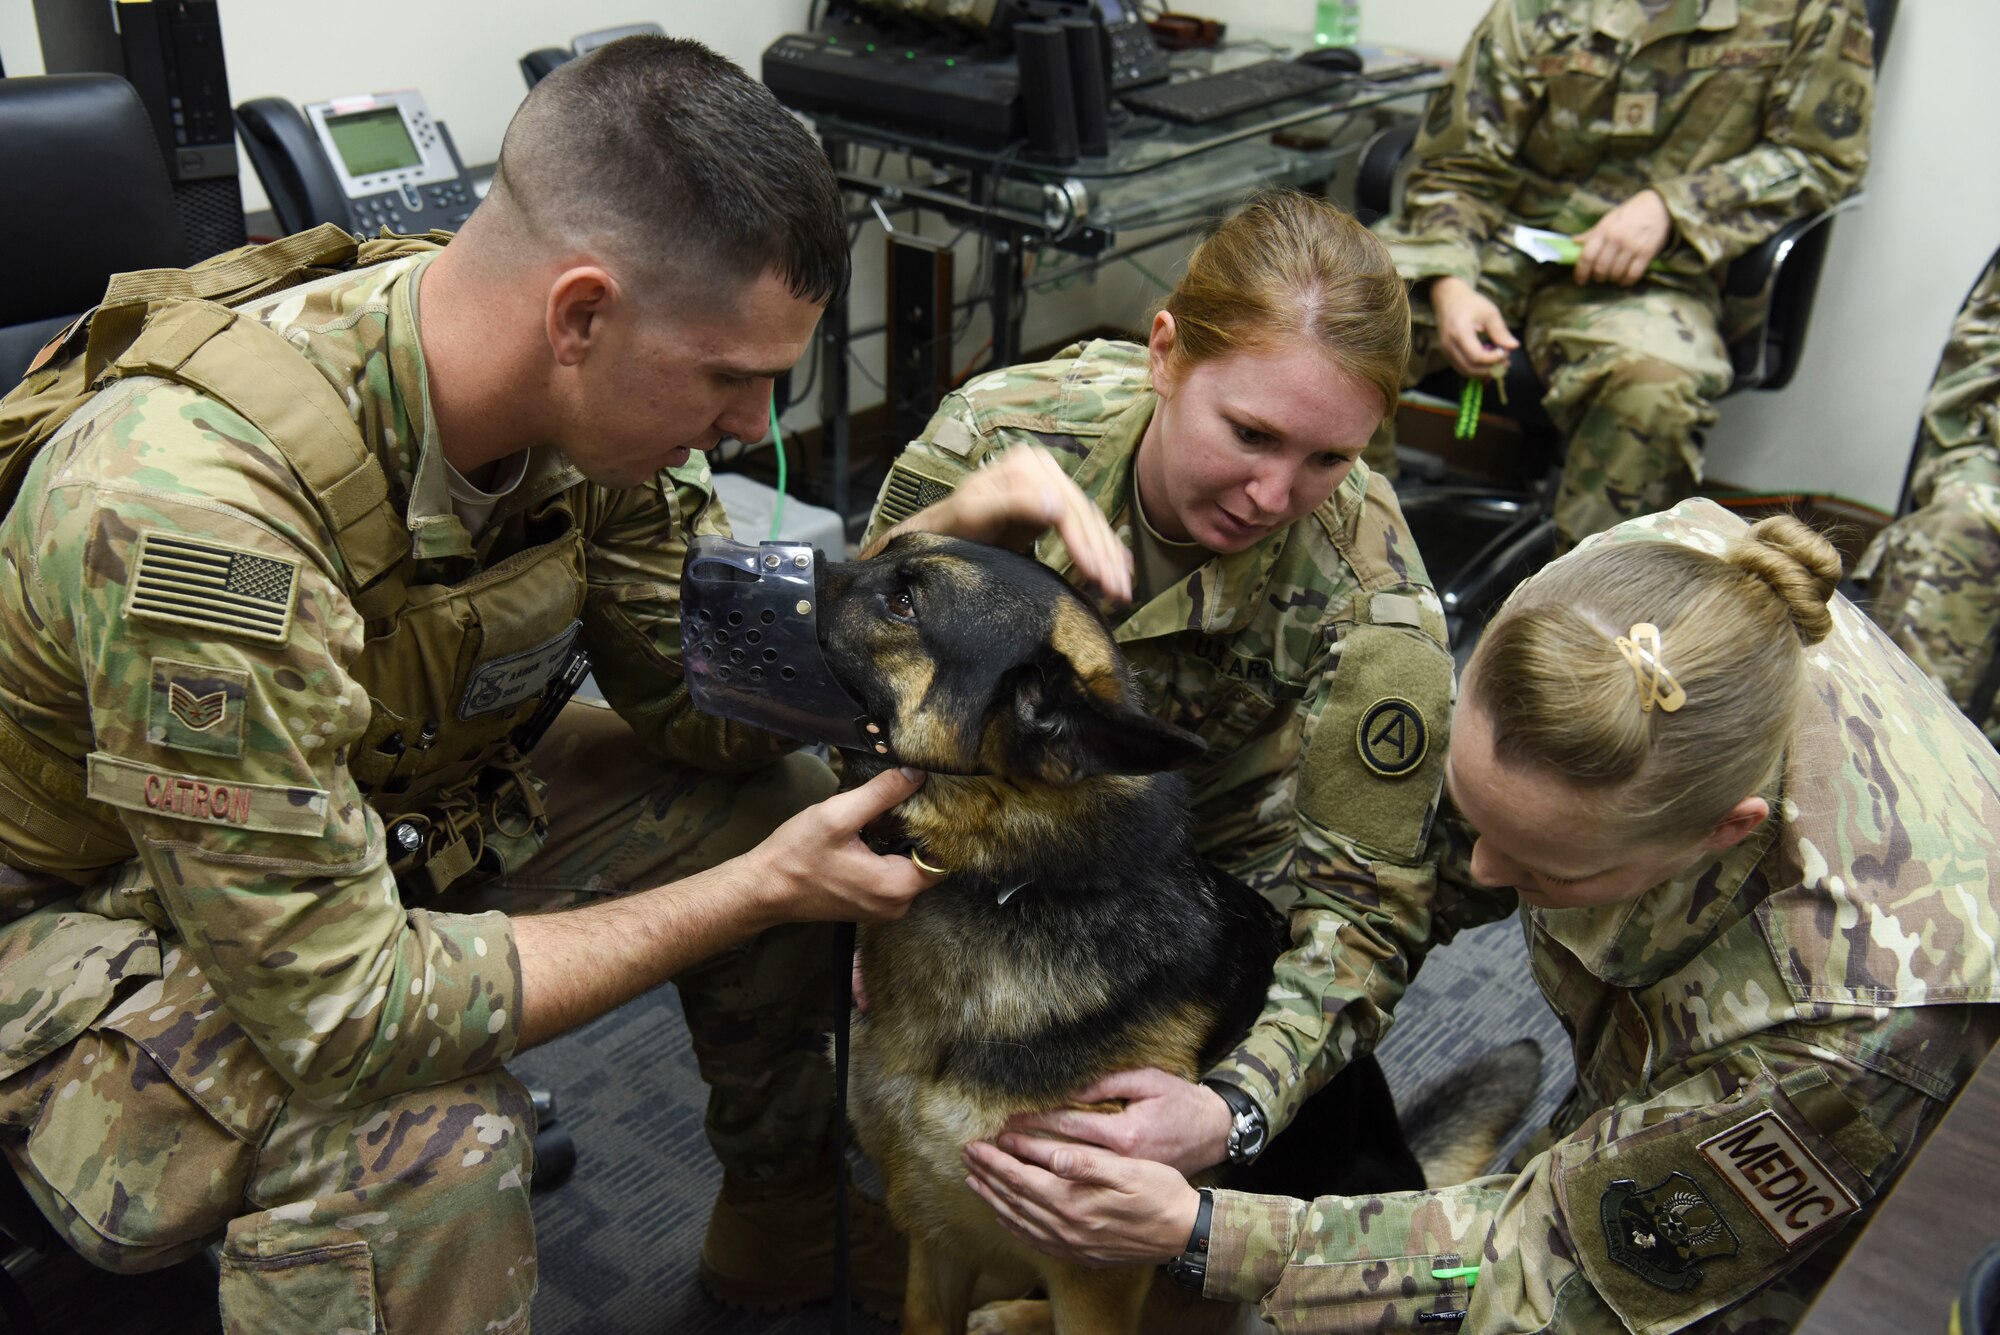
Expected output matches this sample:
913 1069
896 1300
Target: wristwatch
1190 1268
1246 1123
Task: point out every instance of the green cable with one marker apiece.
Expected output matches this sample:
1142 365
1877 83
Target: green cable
778 438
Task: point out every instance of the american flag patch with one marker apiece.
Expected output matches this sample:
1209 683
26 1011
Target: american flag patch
195 583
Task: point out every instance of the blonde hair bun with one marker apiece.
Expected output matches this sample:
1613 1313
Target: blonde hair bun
1799 565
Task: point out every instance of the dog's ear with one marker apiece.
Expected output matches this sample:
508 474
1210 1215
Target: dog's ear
1060 730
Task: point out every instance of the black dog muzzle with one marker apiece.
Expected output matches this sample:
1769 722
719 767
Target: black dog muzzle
750 644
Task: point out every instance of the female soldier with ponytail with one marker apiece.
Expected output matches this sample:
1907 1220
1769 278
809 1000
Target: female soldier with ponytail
1753 847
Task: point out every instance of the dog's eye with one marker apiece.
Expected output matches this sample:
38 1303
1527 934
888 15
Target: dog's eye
900 605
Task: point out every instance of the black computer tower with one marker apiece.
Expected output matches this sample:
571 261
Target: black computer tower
171 52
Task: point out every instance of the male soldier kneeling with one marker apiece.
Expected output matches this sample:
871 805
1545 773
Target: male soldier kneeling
290 588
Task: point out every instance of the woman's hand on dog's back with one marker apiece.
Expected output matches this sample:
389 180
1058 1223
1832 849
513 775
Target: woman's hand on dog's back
1015 499
815 867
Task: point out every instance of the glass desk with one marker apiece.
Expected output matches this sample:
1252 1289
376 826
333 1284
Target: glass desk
1155 173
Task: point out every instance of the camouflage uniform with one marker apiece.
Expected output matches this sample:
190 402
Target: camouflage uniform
1742 114
218 1008
1759 1044
1312 664
1935 574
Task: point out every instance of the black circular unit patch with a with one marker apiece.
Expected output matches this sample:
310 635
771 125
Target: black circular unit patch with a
1392 738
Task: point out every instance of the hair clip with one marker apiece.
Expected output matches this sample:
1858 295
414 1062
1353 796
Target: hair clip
1656 685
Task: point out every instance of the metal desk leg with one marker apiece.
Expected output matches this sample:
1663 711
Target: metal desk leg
1007 297
834 441
833 408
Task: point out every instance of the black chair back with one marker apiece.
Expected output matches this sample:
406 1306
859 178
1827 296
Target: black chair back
90 197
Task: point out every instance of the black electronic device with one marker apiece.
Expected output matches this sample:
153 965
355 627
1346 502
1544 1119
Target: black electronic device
1339 59
369 161
923 83
1211 97
1134 58
1088 58
1048 109
170 51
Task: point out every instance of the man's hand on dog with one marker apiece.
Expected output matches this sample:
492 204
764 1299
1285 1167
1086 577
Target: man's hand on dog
815 867
1165 1118
1083 1204
1014 500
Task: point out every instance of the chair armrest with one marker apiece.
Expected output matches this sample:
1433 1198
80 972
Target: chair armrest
1771 289
1375 174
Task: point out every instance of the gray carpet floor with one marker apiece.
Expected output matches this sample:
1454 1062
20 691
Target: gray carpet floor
619 1241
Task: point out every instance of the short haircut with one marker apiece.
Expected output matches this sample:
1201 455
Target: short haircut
668 156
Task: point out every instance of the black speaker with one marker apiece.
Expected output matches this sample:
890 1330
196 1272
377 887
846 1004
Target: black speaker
1089 76
1047 106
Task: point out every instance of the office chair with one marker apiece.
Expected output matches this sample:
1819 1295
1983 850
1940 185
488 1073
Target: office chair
92 199
1480 542
535 66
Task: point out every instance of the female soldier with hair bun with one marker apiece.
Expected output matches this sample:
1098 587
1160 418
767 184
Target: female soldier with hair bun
1210 479
1753 846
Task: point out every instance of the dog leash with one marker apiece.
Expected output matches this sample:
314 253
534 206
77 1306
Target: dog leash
843 1234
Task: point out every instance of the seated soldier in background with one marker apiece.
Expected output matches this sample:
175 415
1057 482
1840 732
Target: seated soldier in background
301 572
1667 136
1934 575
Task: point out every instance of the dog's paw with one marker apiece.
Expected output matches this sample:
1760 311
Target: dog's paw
1021 1316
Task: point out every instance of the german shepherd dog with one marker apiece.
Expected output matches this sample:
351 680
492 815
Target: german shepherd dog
1078 933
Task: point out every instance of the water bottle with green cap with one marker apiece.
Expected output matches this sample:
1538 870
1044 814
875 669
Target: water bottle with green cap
1336 22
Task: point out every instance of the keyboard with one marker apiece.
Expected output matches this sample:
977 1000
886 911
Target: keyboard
1210 97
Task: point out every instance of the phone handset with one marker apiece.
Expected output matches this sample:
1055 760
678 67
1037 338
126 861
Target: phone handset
376 160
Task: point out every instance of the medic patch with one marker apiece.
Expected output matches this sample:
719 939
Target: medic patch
197 707
505 682
273 808
1392 738
193 582
1791 1192
1664 1232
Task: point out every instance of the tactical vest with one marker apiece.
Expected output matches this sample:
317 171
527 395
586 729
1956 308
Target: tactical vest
452 671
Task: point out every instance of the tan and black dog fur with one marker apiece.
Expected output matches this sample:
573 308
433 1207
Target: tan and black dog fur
1077 934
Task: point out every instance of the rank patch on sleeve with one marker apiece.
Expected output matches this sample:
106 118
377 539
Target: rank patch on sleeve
192 582
1791 1192
197 707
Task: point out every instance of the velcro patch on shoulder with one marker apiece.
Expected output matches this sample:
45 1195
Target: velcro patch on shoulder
272 808
1709 1205
197 707
1788 1190
915 482
195 582
1372 772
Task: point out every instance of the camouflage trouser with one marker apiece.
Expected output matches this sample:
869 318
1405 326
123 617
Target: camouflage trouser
162 1128
1934 577
1631 375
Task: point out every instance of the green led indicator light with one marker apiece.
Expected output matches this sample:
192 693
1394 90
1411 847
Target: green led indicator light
909 55
871 46
833 41
949 60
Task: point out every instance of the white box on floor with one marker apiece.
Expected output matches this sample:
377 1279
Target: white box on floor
750 504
